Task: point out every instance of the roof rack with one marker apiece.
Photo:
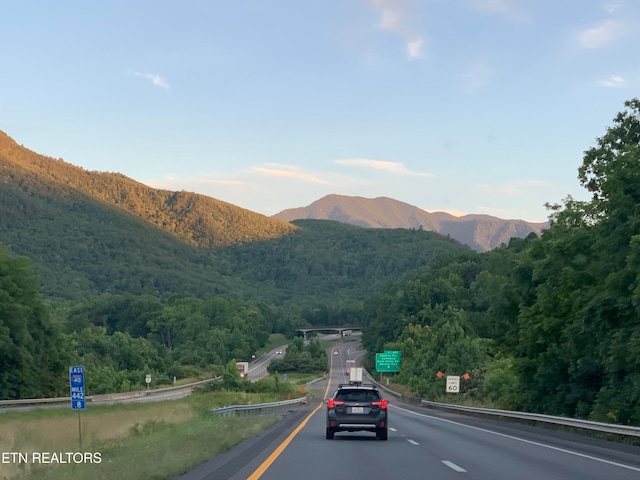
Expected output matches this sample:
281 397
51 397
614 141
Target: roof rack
357 384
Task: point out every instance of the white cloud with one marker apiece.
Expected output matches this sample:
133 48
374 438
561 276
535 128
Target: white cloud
288 171
612 81
601 35
393 167
393 18
178 182
157 80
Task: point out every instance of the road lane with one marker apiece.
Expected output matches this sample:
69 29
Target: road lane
425 446
493 455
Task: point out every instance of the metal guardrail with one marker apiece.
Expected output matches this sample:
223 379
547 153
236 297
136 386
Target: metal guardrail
547 420
33 401
108 397
259 408
539 418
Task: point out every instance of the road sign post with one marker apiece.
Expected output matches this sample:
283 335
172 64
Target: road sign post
388 361
76 386
453 384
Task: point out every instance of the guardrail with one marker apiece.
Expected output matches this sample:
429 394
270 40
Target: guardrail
108 397
610 428
522 417
259 408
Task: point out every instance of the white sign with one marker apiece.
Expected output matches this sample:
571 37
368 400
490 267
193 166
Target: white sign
453 384
148 379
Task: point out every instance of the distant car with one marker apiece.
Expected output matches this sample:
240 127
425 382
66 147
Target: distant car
335 351
279 352
357 408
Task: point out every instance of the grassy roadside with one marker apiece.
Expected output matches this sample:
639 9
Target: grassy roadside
136 441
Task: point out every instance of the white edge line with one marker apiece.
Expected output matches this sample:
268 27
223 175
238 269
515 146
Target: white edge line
558 449
453 466
412 442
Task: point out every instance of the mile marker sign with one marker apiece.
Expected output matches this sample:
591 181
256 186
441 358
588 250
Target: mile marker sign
76 384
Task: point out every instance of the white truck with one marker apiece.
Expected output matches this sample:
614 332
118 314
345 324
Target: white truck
355 376
243 368
350 364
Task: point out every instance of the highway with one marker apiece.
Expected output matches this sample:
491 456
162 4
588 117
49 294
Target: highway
258 367
422 444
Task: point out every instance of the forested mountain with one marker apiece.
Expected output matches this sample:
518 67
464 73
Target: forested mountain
480 232
90 233
129 294
545 324
196 219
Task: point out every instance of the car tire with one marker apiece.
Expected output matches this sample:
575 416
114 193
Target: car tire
329 435
382 434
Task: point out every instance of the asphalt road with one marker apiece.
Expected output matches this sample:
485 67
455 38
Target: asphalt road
421 445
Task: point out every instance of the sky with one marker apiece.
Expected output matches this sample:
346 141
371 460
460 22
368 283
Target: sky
469 106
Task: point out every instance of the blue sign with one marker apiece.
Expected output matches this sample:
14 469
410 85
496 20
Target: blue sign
76 384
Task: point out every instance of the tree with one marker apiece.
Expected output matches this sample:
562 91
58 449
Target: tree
33 362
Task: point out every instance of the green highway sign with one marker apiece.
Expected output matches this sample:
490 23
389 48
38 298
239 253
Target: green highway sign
388 361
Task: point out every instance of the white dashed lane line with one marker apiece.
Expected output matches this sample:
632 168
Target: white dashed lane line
449 464
453 466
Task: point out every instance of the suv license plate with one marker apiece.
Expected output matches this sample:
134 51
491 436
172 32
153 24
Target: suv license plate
357 410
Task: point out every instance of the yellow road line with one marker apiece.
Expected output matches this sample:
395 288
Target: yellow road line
276 453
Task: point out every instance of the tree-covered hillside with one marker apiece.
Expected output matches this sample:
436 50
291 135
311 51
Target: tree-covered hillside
326 263
89 233
196 219
545 324
82 247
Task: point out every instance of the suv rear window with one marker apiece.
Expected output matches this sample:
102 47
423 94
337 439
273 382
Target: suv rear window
357 395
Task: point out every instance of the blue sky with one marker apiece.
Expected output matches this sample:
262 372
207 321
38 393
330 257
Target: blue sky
476 106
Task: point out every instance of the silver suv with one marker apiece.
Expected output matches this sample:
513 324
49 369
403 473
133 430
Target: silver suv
356 408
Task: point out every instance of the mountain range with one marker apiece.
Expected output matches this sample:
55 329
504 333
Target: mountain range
480 232
90 233
203 221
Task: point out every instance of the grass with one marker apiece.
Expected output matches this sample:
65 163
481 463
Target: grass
134 441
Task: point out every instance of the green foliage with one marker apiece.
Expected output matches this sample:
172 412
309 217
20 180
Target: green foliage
32 354
300 358
444 346
544 324
502 383
557 316
90 233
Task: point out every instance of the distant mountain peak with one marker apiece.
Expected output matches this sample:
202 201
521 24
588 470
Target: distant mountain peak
480 232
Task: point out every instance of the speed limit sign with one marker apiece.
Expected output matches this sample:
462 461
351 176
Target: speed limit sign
453 384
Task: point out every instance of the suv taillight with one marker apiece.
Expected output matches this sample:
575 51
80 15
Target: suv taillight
381 403
331 403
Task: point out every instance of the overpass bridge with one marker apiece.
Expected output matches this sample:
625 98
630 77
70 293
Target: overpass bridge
338 329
